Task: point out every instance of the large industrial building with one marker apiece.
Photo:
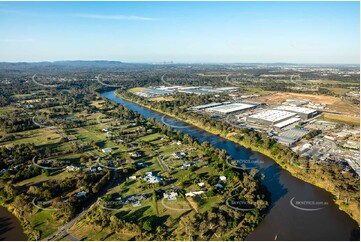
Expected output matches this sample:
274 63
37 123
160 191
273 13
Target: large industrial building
270 117
304 113
291 136
201 107
194 91
230 108
287 124
220 89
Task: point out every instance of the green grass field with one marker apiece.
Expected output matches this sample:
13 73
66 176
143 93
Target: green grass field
42 178
46 222
137 89
85 231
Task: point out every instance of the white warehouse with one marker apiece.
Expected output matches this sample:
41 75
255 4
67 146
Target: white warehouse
270 117
304 113
230 108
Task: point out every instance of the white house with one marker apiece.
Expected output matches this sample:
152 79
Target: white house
151 179
170 195
223 178
107 150
201 184
135 154
110 134
192 194
136 204
186 165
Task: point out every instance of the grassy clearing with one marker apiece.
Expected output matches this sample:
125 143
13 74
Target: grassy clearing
41 138
150 138
173 208
137 89
158 99
42 178
333 82
46 222
4 110
85 231
343 119
97 104
22 95
94 133
338 90
256 90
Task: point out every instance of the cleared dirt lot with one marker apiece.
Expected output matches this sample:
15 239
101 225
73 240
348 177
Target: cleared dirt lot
333 103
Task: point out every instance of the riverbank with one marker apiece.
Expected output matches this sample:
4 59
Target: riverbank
25 228
352 209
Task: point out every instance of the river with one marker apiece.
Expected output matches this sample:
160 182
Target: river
298 210
10 228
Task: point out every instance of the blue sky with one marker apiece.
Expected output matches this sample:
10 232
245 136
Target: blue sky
297 32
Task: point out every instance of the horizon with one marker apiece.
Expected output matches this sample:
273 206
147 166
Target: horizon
181 32
173 63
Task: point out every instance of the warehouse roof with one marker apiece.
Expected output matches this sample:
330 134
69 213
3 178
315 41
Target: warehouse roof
229 108
206 106
193 91
296 109
158 91
287 122
294 134
272 115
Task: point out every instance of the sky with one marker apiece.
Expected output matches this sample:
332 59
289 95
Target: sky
182 32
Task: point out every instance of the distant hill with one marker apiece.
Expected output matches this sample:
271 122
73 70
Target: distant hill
61 66
87 63
101 66
76 63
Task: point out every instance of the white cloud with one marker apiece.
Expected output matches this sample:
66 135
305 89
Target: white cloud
116 17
